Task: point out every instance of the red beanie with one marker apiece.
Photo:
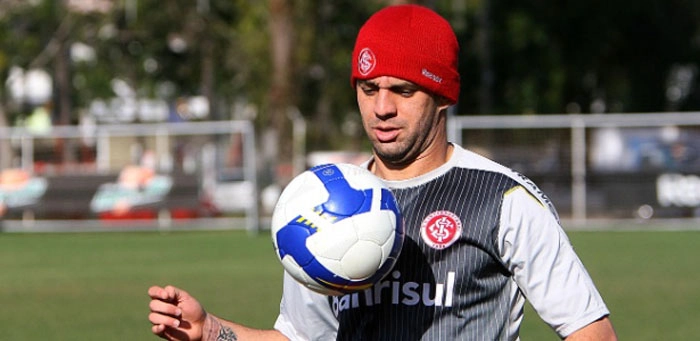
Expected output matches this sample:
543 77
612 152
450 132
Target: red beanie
410 42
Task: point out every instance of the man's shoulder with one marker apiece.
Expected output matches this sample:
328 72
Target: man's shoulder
475 160
464 158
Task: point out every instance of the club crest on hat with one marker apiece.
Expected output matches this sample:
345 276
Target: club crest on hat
441 229
366 61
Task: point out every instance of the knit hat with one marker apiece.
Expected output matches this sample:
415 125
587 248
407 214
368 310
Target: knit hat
410 42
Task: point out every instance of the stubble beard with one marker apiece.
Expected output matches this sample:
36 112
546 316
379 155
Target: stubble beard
397 153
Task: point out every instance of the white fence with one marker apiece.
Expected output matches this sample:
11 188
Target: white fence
649 168
586 140
212 161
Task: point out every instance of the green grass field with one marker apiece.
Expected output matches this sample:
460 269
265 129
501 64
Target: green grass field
92 286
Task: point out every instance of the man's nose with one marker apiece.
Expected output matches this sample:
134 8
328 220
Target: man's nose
384 104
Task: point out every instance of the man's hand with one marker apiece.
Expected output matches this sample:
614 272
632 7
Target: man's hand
175 314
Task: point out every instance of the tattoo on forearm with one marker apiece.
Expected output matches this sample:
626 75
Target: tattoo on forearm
216 331
226 334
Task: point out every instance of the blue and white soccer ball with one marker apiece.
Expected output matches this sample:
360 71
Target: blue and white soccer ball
337 229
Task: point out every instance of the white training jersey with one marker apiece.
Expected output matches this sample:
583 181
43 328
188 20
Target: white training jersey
479 239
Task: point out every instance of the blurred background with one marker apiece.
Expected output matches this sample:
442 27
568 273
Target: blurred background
195 113
165 120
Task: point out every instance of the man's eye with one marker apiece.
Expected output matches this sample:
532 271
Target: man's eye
368 90
407 92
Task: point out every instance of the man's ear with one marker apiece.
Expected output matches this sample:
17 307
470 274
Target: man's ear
443 103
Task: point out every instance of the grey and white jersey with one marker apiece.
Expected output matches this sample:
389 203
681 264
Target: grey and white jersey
479 238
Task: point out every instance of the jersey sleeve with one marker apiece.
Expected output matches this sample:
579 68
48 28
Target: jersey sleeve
545 266
304 314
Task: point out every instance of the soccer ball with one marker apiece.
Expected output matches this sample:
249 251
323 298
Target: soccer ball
337 229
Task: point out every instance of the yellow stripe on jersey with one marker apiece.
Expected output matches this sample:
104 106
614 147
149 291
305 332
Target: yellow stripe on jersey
526 191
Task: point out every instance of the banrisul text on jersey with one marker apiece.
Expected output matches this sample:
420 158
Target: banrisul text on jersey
397 292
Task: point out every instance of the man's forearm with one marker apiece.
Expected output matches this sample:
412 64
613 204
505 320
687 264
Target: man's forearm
216 329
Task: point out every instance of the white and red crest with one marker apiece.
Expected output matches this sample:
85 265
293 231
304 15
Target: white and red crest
441 229
366 61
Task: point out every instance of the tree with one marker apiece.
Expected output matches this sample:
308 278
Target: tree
533 56
552 55
22 42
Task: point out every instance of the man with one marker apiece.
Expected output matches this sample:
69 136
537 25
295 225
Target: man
501 239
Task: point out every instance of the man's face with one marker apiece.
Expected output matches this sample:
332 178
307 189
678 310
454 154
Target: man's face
400 119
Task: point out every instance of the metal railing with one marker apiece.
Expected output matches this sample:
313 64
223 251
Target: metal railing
162 138
578 125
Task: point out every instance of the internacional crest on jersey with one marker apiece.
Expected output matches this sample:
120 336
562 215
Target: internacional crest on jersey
441 229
